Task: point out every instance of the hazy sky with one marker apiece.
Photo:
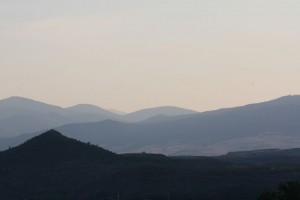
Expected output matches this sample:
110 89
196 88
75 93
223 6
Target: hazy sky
131 54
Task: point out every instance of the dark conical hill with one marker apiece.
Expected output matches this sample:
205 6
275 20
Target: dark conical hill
52 146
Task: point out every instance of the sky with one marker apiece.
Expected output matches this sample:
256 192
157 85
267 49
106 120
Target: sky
133 54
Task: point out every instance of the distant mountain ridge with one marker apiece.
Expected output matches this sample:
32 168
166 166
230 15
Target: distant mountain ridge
254 126
145 114
21 115
272 124
18 105
16 101
87 108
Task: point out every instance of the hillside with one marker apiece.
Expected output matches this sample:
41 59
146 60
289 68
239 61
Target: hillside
51 147
52 166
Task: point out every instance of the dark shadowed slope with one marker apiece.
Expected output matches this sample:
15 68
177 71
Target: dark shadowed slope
51 147
265 157
51 166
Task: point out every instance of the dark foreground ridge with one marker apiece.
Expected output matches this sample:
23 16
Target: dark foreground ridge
52 147
54 167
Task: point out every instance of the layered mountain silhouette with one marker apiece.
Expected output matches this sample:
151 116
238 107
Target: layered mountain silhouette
52 166
21 115
272 124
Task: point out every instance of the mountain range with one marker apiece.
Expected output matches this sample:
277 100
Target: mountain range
266 125
273 124
20 115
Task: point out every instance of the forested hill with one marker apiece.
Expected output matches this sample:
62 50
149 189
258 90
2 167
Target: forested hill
52 166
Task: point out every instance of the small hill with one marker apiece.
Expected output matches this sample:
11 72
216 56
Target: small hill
89 113
144 114
51 147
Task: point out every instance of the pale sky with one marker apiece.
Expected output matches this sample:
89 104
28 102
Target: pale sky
132 54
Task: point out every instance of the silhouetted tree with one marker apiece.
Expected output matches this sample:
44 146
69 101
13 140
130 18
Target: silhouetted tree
286 191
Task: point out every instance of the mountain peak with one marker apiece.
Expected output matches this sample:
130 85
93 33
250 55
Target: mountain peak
26 103
89 108
85 106
48 139
52 146
51 133
18 99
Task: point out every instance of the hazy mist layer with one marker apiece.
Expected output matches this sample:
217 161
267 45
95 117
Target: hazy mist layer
131 54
